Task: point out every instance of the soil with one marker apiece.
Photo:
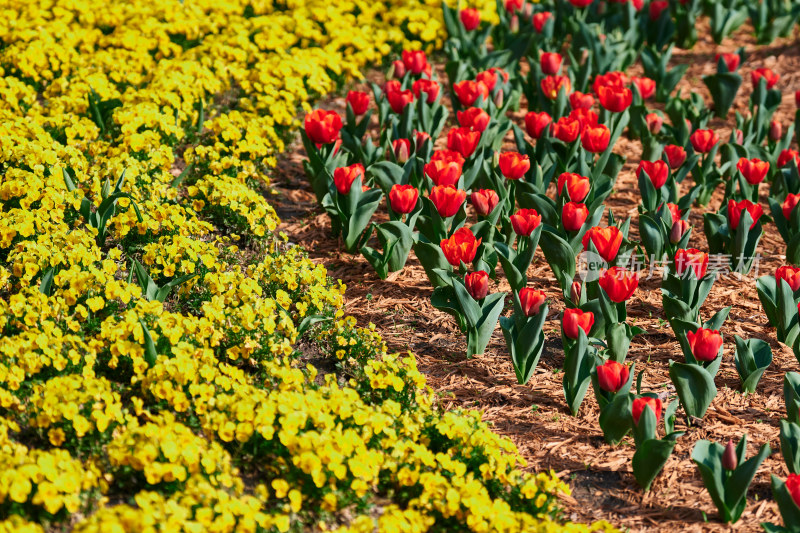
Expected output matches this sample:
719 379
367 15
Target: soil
535 415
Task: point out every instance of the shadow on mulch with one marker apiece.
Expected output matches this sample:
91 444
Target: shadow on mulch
534 415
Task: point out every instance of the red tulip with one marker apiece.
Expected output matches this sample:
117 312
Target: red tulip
551 86
579 100
398 100
470 18
445 169
786 156
416 61
646 86
753 170
477 284
531 301
580 3
619 283
401 149
674 210
550 63
514 165
484 201
577 186
573 215
513 5
767 74
793 486
359 102
691 258
615 99
474 118
606 240
574 319
586 118
657 7
540 19
463 140
657 171
343 177
731 61
403 198
595 139
535 123
676 155
705 343
704 140
575 291
488 78
639 405
679 229
613 79
398 69
447 199
468 92
789 205
797 98
612 376
789 273
735 212
525 221
462 246
426 86
566 129
654 122
420 137
322 127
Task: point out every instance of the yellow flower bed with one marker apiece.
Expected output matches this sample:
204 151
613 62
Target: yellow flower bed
150 372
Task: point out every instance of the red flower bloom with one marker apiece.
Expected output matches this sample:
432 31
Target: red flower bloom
531 301
767 74
474 118
343 177
786 156
654 122
445 167
789 273
580 3
705 343
468 91
793 486
579 100
615 99
514 165
429 87
462 246
704 140
611 376
731 61
775 131
477 284
398 100
447 199
551 86
420 137
463 140
488 78
619 283
484 201
540 19
691 258
614 79
646 86
586 117
676 155
566 129
657 7
639 405
573 215
679 229
322 127
550 63
753 170
403 198
606 240
574 319
525 221
513 5
657 171
789 205
470 18
398 70
359 102
416 61
595 139
535 123
735 212
401 149
675 211
577 186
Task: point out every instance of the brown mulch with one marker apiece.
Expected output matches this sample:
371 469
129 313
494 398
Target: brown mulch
535 415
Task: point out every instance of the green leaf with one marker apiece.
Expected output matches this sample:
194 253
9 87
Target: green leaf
736 486
150 354
695 387
790 445
578 364
649 460
788 508
560 256
478 337
46 285
615 418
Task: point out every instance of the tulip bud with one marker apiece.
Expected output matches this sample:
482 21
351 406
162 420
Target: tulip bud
640 404
575 291
498 99
477 284
398 69
484 201
654 123
550 63
739 135
678 230
797 98
793 486
402 150
775 131
513 26
729 459
531 301
612 376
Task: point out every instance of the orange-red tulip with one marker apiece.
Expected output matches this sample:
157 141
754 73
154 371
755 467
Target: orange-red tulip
735 212
343 177
462 246
612 376
606 241
705 343
573 215
531 301
322 126
525 221
513 165
577 186
403 198
574 320
619 283
447 199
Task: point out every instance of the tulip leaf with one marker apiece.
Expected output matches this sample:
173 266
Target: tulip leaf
525 344
723 88
675 309
432 258
767 292
752 357
652 236
615 417
150 354
359 219
578 364
695 387
649 460
790 511
478 335
46 285
716 321
791 395
790 445
561 258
